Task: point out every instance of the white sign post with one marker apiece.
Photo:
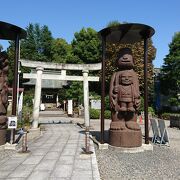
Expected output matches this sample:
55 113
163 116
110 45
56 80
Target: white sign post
70 107
20 105
12 124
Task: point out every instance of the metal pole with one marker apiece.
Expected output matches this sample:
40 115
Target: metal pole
14 103
103 87
18 64
146 90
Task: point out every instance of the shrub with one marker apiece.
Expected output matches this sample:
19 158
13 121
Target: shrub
175 120
151 110
27 99
142 105
26 115
165 116
95 113
107 104
107 114
173 101
168 115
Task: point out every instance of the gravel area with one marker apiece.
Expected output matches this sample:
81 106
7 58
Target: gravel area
161 163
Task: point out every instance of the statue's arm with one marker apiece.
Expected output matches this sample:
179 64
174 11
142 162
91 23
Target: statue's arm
137 92
112 95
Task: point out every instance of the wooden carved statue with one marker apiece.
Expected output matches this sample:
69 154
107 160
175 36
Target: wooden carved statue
124 102
3 96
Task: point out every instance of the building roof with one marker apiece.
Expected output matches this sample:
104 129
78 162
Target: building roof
48 84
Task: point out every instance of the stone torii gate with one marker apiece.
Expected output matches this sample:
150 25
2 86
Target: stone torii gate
40 66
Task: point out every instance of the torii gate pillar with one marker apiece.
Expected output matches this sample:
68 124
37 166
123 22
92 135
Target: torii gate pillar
37 97
86 98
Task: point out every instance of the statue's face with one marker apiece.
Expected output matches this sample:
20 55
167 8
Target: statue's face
126 78
125 60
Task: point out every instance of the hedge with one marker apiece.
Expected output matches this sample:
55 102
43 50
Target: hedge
95 114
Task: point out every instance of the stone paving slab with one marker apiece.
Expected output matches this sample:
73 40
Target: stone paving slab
56 154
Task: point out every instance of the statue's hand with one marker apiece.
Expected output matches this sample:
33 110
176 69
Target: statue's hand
116 89
112 100
137 103
112 104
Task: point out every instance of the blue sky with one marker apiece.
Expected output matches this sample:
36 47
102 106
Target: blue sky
64 18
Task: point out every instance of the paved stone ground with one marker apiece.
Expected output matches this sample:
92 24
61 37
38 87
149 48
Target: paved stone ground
161 163
57 154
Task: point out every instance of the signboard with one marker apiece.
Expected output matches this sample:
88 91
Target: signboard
12 122
96 104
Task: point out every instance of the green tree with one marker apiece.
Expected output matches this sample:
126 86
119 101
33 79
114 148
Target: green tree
11 57
85 49
37 45
61 51
170 75
46 42
75 92
86 46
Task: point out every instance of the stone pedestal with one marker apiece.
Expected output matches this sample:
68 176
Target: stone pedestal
125 138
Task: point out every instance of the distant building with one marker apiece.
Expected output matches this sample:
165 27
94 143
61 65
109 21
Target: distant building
50 88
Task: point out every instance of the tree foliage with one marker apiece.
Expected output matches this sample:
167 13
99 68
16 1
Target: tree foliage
37 45
75 91
170 80
11 57
113 23
86 49
61 51
86 46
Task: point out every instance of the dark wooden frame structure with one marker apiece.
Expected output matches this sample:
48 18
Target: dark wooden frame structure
14 33
126 33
